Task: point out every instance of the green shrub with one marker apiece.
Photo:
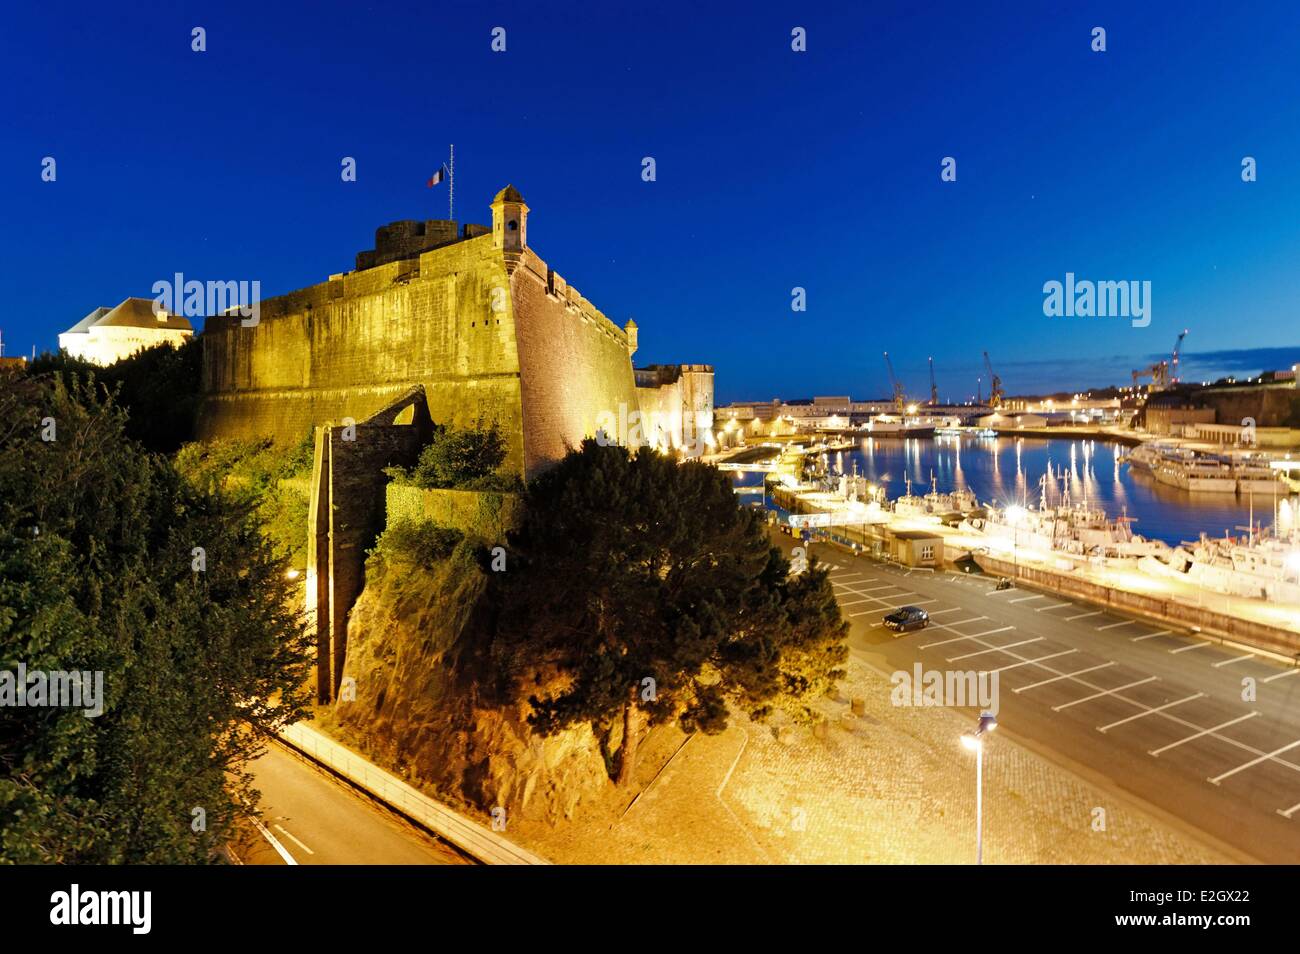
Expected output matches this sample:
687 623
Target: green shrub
457 457
416 542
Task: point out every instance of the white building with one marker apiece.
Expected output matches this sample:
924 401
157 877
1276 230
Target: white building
108 335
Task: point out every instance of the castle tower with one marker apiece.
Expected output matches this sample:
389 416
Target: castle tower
630 329
509 220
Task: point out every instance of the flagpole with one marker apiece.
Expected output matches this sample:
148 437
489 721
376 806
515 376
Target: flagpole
451 186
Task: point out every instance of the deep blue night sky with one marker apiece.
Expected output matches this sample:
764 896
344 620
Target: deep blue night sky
775 169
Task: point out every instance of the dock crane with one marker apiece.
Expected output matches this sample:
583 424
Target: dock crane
934 388
995 384
900 397
1173 364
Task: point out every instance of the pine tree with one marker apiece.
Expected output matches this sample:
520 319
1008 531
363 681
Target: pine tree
642 593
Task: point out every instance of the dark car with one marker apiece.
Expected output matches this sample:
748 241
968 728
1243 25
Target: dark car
907 618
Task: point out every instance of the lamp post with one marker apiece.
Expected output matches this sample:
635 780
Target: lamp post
1015 516
975 742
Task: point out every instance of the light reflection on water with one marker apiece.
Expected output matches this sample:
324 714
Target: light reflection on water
1008 470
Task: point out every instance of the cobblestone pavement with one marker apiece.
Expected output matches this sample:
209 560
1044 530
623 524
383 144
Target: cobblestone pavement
891 786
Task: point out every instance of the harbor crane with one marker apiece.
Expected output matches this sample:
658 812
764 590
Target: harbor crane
1163 374
1158 373
1173 364
900 397
934 388
995 384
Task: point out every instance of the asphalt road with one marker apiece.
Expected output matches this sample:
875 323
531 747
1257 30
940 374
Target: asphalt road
1154 712
319 820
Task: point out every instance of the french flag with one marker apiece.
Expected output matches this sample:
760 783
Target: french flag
437 176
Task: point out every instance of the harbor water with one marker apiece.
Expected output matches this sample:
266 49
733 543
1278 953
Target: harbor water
1007 470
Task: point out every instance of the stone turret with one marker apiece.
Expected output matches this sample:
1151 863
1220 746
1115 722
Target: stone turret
509 220
630 329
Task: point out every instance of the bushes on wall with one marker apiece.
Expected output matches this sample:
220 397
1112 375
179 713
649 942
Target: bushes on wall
272 478
462 459
416 542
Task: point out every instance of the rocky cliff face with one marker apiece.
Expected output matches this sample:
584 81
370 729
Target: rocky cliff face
424 703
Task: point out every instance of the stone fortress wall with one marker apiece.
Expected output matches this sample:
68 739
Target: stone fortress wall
475 317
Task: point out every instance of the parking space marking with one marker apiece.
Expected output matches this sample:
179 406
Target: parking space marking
1048 609
1224 725
893 599
1158 632
1026 599
871 589
958 639
1034 662
1229 662
1067 675
1263 758
1141 715
1281 675
1105 692
955 609
998 649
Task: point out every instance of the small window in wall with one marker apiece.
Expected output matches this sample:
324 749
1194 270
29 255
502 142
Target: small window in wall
512 225
927 551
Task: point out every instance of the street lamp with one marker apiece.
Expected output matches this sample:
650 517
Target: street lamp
1015 516
975 742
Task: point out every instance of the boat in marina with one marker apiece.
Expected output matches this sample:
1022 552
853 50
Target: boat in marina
1061 526
1261 565
935 504
1193 472
1189 470
1255 476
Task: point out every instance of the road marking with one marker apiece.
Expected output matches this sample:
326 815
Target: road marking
1048 609
1183 649
997 649
1174 745
1026 599
1287 812
1281 675
865 599
1158 632
870 589
1107 692
1084 615
1127 622
1263 758
1068 675
945 642
955 609
1167 705
288 834
1034 662
282 851
1229 662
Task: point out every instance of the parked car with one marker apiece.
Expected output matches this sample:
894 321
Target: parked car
907 618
